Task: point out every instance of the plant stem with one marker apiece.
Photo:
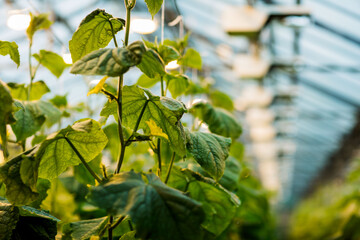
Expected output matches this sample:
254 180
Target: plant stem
121 134
115 224
127 23
162 86
170 167
113 33
159 156
97 178
30 71
137 123
111 219
122 146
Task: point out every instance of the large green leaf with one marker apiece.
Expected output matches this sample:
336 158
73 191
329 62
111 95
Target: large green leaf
165 112
219 204
191 59
10 48
6 112
9 216
209 150
51 61
158 211
93 33
219 120
20 91
151 64
222 100
154 6
177 84
38 22
25 223
56 154
35 224
20 177
110 61
31 117
84 229
28 122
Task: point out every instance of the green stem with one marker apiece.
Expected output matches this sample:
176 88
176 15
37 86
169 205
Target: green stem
127 24
137 123
162 86
30 71
97 178
115 224
122 146
110 235
170 167
159 156
113 33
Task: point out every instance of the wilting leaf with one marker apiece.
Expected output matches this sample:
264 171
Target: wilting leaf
110 61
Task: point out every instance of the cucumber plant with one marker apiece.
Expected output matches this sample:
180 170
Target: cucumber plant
169 180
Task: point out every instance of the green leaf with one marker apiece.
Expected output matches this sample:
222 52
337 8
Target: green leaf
177 84
20 91
146 82
209 150
158 211
20 177
191 59
129 236
56 154
110 61
9 216
222 100
154 6
6 113
219 121
28 122
37 22
42 186
10 48
98 86
84 229
51 61
231 175
219 204
165 112
35 224
152 64
82 174
93 33
168 53
59 101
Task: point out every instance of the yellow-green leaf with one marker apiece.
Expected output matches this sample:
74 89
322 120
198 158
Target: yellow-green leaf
10 48
38 22
155 130
98 86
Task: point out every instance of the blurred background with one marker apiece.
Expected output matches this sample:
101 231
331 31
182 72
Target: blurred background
291 67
